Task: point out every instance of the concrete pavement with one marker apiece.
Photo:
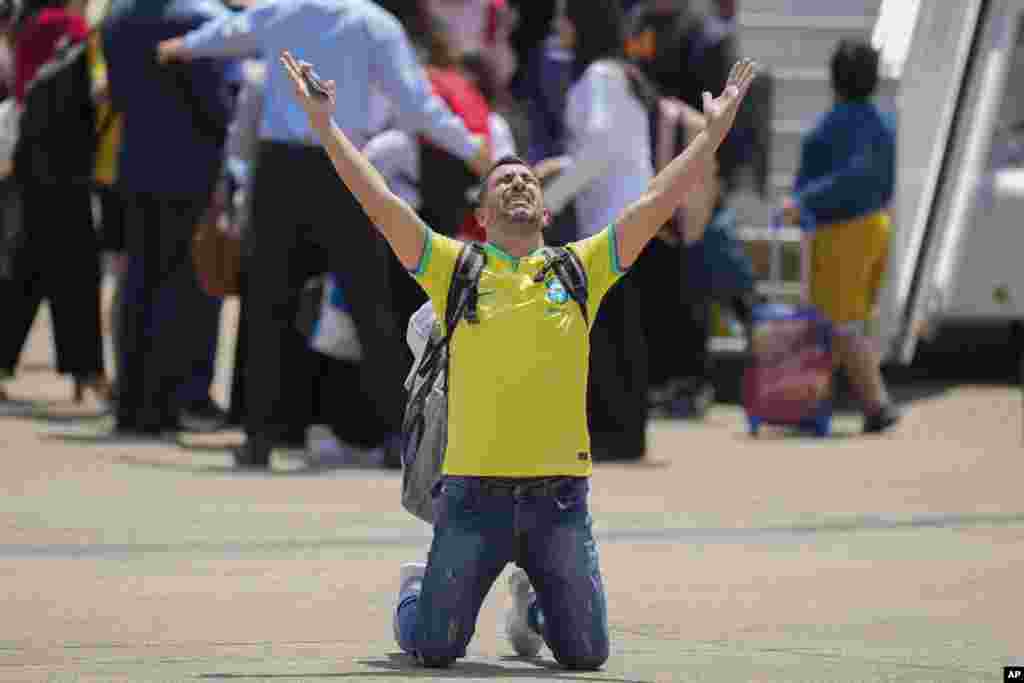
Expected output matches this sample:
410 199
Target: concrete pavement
726 559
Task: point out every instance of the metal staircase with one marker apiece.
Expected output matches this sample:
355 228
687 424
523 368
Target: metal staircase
794 40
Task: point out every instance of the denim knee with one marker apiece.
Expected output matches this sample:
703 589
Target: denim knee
437 657
588 662
589 657
435 662
432 657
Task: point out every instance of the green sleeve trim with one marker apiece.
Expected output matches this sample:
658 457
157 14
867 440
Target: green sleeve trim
614 246
428 245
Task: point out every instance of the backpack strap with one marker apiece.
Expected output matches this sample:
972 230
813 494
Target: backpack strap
462 300
568 268
462 292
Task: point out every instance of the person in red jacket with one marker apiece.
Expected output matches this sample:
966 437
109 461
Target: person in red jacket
54 213
37 37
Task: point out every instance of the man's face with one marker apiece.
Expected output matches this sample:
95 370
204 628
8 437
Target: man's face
514 199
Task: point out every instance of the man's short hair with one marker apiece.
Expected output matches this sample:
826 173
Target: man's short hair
854 70
510 160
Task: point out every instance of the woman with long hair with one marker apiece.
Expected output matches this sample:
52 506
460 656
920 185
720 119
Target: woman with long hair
607 118
608 112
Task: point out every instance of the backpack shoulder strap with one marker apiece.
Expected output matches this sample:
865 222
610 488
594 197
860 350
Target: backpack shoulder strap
568 268
462 292
462 298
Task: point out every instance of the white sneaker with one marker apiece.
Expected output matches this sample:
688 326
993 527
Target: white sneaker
409 575
525 641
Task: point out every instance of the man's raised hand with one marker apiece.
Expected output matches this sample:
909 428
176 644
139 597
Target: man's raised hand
318 109
720 111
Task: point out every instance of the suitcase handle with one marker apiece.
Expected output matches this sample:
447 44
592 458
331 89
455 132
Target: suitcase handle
807 228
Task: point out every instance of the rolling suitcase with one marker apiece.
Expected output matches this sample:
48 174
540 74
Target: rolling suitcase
788 379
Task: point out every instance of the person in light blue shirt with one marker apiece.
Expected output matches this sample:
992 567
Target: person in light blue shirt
356 44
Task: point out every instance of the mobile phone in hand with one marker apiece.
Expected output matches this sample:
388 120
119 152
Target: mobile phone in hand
316 87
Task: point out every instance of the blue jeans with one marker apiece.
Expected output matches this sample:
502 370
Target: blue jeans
478 529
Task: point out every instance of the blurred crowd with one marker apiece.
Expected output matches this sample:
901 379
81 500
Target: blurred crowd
193 122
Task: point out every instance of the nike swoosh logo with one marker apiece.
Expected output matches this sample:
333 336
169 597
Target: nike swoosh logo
485 293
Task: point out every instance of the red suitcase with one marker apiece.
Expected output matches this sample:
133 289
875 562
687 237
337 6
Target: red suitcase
788 379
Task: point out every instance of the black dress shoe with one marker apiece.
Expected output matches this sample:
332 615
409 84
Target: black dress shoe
253 454
884 419
394 445
203 417
166 430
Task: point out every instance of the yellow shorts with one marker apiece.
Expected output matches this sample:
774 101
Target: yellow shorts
848 261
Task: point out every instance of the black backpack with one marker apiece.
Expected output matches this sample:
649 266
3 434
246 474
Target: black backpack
59 134
425 427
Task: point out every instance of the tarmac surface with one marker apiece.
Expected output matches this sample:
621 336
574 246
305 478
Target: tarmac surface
893 558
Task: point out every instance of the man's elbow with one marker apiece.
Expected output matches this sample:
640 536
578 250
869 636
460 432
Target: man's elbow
387 212
658 204
646 210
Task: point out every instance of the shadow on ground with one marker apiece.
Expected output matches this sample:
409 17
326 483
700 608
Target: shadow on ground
292 468
51 412
399 664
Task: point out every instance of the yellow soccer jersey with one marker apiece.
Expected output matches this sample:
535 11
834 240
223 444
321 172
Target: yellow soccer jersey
517 398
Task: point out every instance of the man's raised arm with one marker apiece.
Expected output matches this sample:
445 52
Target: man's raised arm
642 219
395 219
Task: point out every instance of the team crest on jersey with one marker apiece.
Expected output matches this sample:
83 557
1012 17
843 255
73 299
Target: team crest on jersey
557 293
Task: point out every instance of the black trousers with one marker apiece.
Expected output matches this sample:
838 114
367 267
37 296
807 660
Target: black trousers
677 321
675 324
617 384
57 259
168 322
306 222
326 375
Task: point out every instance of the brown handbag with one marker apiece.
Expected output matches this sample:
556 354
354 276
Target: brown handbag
216 256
